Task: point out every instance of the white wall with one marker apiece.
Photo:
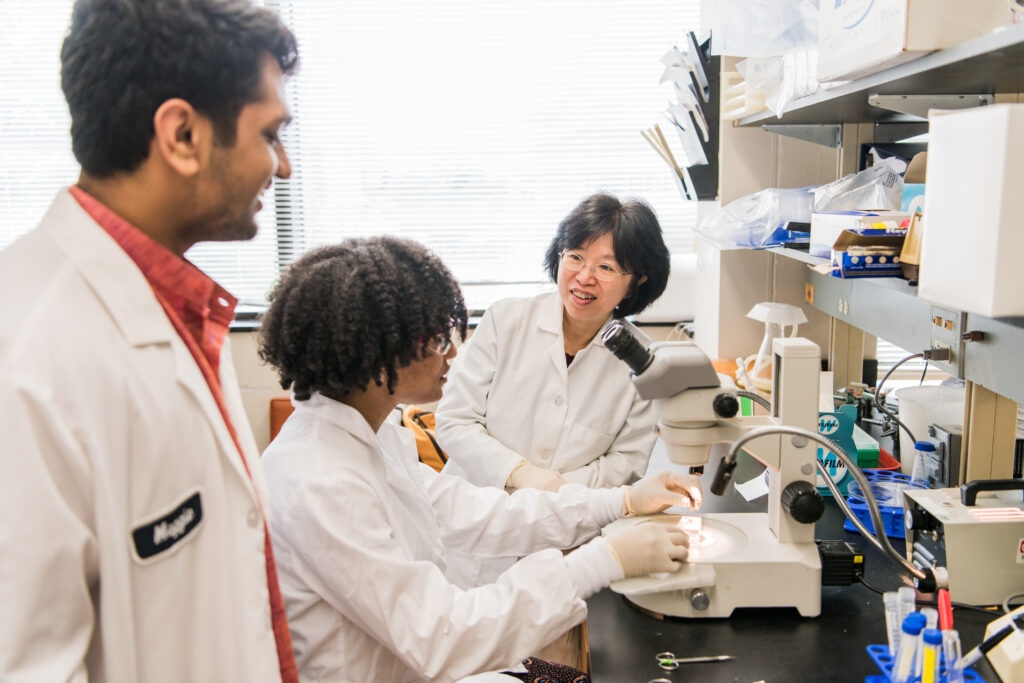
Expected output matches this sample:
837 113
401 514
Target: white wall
258 382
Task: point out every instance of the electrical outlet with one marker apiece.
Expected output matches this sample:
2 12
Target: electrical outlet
946 326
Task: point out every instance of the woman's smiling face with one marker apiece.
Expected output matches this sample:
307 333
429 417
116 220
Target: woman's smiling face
585 298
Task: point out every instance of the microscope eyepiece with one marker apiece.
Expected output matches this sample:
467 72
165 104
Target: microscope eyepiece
621 342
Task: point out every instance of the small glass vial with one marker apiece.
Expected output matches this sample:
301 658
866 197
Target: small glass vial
931 640
924 453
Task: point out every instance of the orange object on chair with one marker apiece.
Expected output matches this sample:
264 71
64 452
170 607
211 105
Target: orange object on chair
280 409
420 422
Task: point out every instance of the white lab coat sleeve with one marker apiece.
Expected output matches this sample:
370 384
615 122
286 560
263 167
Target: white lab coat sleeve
461 415
626 459
352 559
48 548
485 521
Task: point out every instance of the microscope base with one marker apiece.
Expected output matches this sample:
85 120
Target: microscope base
737 562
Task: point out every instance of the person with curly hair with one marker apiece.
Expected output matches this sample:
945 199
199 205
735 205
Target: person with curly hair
362 528
536 400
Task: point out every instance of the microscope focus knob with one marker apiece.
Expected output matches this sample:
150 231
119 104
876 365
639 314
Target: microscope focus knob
803 502
725 405
699 599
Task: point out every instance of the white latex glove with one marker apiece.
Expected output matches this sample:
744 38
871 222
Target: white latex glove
648 547
526 475
661 491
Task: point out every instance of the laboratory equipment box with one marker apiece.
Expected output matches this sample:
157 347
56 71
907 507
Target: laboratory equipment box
827 226
868 252
972 243
979 539
859 37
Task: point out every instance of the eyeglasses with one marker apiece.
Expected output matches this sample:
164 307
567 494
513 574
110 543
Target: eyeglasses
440 344
605 272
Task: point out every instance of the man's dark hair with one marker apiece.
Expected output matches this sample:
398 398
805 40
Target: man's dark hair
122 59
346 315
636 239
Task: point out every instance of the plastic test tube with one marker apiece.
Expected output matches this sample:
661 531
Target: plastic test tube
931 620
931 640
892 619
951 649
908 601
906 653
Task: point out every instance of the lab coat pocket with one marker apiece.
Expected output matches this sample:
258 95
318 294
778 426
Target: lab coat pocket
584 444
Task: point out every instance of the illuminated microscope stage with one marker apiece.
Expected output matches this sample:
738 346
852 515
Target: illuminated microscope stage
735 561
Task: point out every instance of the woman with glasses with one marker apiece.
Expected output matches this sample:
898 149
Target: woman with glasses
535 399
361 529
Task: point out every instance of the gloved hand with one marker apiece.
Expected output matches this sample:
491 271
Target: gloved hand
648 547
661 491
526 475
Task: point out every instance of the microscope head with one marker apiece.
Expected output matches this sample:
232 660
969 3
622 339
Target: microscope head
665 368
684 386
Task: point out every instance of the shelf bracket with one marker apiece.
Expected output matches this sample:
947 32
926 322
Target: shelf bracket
894 132
829 134
918 105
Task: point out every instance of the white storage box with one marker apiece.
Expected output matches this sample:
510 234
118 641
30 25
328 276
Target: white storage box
973 238
677 302
859 37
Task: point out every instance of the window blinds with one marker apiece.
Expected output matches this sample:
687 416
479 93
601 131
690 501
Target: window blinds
471 126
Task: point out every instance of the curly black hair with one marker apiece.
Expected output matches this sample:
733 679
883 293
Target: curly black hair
636 239
346 315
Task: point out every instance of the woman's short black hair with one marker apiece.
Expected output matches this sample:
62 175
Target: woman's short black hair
636 239
346 315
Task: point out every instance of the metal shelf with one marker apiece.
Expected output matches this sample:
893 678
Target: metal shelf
889 308
986 65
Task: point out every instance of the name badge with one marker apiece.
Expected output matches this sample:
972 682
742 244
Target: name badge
169 529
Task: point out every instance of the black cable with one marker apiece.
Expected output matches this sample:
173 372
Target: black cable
870 586
924 372
878 393
931 603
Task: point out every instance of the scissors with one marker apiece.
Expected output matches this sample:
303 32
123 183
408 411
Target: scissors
669 662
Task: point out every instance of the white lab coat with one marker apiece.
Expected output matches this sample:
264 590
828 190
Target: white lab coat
361 531
510 396
107 425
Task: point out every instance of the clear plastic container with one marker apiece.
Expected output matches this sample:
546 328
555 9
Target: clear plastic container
924 455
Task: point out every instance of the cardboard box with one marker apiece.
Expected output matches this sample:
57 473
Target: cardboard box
859 37
868 252
973 241
910 256
826 227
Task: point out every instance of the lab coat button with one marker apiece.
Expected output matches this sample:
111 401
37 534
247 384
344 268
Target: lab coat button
545 453
560 401
253 518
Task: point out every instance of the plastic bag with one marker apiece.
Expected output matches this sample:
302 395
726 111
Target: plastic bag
759 219
877 187
782 78
763 28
